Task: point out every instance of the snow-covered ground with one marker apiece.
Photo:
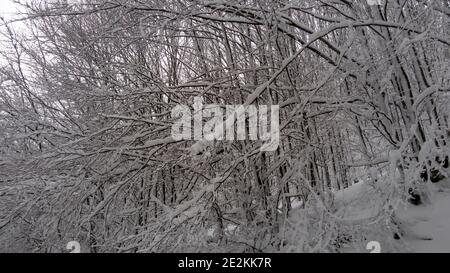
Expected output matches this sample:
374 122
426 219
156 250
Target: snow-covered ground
425 228
431 222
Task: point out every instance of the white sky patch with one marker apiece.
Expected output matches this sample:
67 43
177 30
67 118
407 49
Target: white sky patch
8 9
10 12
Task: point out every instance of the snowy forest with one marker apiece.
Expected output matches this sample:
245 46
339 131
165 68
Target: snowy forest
87 154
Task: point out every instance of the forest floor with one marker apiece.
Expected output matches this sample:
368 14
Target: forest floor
431 221
425 227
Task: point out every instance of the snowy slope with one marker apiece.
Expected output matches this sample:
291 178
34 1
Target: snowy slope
431 222
358 201
426 228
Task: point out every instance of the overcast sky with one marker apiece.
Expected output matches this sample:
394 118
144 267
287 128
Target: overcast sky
7 8
7 11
